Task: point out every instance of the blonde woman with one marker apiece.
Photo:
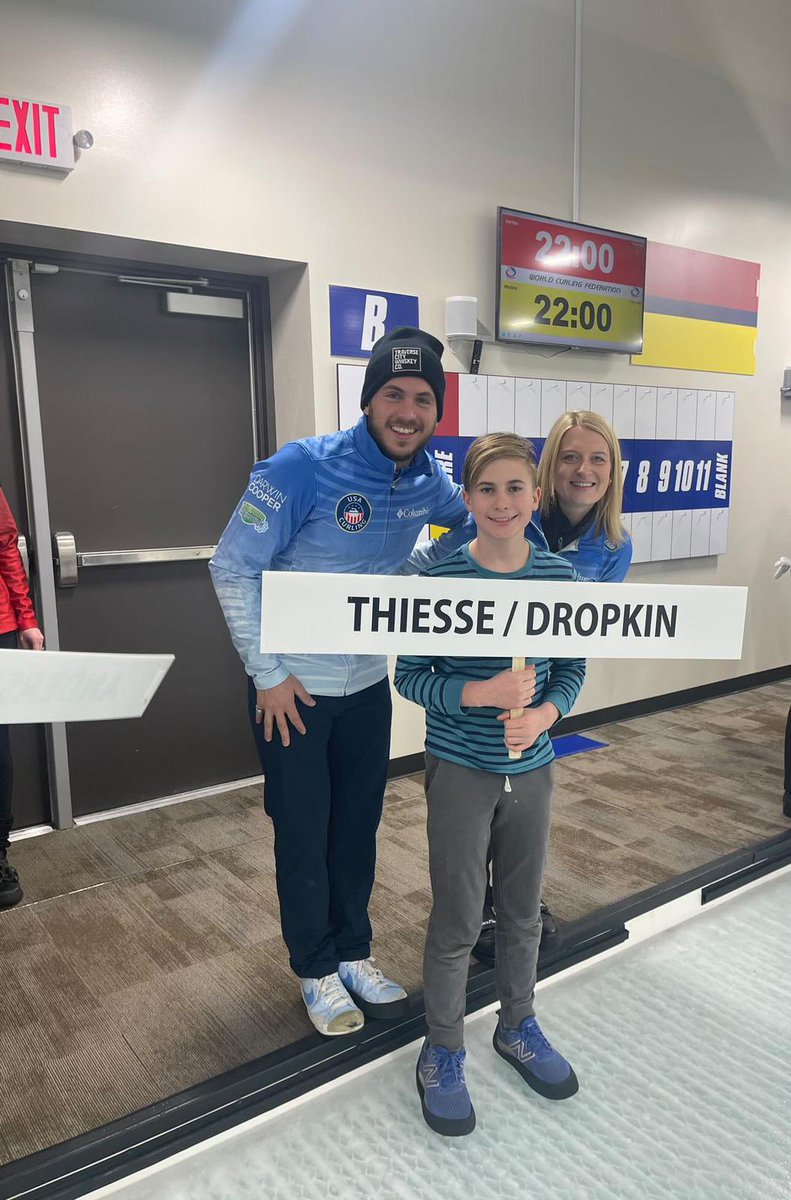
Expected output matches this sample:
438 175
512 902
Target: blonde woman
581 497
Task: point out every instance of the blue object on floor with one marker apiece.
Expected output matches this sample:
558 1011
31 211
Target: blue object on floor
574 743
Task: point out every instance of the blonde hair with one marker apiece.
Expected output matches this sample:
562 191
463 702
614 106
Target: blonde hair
607 511
492 446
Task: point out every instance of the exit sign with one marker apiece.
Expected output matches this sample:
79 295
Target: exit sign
36 132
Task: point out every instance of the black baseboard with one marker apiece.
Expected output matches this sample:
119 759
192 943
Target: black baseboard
412 764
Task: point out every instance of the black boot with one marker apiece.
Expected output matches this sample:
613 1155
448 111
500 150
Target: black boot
483 950
787 804
551 937
10 891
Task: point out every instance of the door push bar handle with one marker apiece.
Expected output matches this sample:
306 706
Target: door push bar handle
125 558
68 561
64 552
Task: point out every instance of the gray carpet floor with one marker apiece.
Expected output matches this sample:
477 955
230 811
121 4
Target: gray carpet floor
146 956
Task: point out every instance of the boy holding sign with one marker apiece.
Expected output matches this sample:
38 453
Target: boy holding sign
489 778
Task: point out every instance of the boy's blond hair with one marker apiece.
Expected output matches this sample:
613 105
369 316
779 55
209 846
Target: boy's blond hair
607 512
492 446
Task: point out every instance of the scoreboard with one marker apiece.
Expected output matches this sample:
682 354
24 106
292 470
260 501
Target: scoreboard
567 284
676 443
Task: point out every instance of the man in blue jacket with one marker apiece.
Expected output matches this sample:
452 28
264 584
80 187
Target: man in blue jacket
353 501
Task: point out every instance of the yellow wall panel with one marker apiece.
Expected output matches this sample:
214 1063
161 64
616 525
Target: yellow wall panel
686 343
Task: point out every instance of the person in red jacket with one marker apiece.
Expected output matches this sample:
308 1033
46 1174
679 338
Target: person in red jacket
18 628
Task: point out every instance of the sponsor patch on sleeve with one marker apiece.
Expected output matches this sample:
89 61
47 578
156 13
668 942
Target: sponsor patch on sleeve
253 516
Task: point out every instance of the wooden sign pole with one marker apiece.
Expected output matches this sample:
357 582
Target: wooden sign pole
517 664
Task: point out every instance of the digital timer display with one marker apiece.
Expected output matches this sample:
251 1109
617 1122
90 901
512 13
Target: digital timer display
568 284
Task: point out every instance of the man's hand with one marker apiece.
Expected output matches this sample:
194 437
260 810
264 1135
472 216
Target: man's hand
509 689
522 732
279 704
30 639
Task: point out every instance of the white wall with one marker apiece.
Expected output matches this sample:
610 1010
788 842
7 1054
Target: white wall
373 141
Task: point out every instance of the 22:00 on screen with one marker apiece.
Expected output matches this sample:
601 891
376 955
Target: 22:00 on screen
585 315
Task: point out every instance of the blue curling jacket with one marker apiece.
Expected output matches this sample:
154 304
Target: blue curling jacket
594 557
333 503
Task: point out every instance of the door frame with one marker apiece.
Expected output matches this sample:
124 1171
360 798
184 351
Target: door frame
18 251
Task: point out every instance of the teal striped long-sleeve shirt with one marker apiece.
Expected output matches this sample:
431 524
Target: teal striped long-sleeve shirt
474 737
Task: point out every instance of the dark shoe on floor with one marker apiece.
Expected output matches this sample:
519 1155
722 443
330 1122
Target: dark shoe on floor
787 804
551 937
539 1064
444 1098
483 949
10 891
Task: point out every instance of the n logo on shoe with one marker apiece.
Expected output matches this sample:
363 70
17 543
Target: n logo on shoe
430 1075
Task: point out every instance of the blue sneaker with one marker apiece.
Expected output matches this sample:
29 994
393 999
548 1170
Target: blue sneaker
330 1007
538 1062
376 995
444 1098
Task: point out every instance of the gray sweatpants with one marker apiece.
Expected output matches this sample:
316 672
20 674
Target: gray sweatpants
467 809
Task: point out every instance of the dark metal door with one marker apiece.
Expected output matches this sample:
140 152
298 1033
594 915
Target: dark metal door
31 794
147 421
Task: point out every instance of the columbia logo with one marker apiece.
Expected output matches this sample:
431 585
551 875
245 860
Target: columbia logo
413 512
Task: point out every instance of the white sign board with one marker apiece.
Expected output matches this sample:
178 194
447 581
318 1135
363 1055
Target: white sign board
49 685
312 613
37 132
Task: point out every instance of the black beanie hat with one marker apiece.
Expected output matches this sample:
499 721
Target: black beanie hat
405 351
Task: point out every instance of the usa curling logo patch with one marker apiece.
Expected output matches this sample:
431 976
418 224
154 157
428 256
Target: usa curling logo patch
353 512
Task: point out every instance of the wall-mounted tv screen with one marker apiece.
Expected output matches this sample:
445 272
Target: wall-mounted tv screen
564 284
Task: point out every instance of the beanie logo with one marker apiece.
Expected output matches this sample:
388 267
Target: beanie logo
353 512
407 359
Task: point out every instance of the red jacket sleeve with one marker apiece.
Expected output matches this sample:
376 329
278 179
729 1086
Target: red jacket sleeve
12 573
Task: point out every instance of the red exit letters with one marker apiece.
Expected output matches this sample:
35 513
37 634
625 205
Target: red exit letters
36 132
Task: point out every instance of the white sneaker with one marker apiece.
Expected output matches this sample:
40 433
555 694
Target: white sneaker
376 995
330 1007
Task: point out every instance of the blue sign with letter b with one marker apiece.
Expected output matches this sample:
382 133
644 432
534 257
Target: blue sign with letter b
358 318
